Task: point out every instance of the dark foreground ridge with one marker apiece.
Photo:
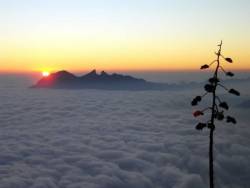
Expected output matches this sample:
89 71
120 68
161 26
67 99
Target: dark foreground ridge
92 80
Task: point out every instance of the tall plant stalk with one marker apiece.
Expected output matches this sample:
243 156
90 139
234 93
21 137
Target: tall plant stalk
217 108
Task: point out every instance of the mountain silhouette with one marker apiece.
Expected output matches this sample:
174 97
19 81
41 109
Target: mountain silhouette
92 80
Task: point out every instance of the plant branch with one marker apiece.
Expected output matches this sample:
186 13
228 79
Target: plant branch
211 157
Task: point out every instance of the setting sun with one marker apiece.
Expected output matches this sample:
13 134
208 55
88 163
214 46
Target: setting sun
45 73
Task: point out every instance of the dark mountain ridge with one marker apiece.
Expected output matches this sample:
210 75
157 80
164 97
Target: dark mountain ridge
92 80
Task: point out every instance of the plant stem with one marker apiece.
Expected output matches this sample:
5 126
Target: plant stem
212 128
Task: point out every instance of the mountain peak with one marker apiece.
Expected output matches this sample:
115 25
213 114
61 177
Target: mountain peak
64 74
93 72
103 73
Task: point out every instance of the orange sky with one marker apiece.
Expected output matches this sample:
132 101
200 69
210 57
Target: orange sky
162 36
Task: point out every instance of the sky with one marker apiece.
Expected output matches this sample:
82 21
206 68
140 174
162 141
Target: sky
136 35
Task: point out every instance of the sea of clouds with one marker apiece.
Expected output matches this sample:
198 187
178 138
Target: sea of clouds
115 139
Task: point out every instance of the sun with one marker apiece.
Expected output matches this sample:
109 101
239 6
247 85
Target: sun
45 73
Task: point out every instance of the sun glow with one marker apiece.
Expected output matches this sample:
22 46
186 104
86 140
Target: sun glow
127 36
45 73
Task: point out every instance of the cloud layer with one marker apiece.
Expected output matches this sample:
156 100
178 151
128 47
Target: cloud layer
105 139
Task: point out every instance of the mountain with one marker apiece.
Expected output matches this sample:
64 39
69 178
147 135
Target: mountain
59 79
92 80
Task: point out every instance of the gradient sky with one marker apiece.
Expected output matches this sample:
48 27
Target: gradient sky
78 35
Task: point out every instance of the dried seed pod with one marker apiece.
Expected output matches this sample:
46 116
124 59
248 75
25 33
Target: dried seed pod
210 126
196 100
234 92
213 80
230 74
205 66
198 113
219 116
200 126
209 88
224 105
229 60
231 120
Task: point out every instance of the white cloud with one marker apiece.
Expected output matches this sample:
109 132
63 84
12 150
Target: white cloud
121 139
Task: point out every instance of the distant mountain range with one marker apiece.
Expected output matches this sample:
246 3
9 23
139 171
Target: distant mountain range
92 80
